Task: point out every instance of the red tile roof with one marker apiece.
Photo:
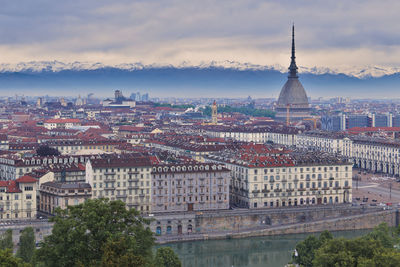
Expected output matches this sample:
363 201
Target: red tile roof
62 121
11 186
26 179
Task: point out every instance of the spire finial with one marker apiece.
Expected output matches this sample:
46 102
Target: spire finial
293 67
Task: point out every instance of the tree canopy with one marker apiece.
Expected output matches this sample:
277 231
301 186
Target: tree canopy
166 257
45 150
27 245
98 232
6 241
376 248
243 110
7 259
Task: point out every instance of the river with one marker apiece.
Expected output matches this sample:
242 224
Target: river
250 252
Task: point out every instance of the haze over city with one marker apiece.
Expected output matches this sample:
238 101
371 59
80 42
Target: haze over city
200 41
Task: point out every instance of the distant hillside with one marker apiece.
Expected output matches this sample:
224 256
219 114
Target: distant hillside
206 81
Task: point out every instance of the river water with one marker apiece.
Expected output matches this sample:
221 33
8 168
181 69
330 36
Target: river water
252 252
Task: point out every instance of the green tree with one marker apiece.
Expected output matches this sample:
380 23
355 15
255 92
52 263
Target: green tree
7 259
27 244
82 234
6 241
119 252
306 250
332 253
166 257
383 234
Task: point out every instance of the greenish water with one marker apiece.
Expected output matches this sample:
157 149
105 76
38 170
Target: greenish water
252 252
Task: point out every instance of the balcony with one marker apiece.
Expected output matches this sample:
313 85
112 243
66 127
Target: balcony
346 187
284 181
289 190
122 196
109 173
301 189
265 191
278 190
108 179
296 180
255 191
325 188
134 187
314 189
109 188
133 172
141 195
133 179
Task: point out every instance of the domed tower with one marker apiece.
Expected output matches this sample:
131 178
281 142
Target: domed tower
293 102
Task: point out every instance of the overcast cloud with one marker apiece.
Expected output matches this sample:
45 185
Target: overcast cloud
328 33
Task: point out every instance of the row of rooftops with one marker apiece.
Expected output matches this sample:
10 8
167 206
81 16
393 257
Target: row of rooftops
273 128
253 159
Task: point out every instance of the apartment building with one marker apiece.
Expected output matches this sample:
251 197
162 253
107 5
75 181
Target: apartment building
12 166
279 180
190 187
56 194
18 198
274 133
125 177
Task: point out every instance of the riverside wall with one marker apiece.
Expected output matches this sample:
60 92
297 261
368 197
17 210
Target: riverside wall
236 224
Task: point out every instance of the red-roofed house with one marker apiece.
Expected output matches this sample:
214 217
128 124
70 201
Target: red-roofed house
18 198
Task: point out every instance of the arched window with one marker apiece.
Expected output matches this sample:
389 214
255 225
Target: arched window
158 230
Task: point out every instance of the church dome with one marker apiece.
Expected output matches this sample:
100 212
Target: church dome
293 93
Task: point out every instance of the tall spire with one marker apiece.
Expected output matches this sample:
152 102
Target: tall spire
293 67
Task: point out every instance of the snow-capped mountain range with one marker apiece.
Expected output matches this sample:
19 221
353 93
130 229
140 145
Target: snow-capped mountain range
370 71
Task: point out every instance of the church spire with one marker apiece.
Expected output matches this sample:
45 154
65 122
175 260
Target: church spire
293 67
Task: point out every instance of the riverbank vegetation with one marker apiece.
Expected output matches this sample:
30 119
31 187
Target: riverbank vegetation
97 232
246 110
377 248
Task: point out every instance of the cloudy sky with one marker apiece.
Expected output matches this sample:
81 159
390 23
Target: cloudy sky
332 34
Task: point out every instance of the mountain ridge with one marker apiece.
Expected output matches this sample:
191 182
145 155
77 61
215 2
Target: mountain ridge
370 71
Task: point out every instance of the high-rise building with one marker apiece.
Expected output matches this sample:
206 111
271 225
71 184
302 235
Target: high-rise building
293 102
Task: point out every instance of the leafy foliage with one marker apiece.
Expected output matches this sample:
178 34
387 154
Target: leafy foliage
166 257
374 249
172 106
7 259
6 241
94 233
306 249
27 245
243 110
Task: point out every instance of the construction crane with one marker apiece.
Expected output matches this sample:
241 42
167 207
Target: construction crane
287 114
314 119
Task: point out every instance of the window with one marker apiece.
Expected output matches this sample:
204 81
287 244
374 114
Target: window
28 188
28 196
